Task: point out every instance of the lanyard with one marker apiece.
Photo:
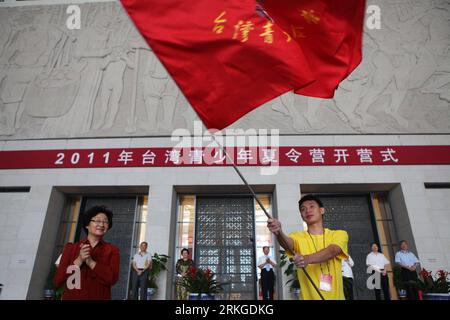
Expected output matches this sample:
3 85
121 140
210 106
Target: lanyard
315 248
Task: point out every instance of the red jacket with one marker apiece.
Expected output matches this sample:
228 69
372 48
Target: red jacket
95 283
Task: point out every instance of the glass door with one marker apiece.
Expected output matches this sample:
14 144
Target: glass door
224 242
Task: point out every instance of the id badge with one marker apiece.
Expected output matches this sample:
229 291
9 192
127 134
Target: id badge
325 282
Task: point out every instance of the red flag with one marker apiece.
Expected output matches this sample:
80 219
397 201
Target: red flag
225 57
330 34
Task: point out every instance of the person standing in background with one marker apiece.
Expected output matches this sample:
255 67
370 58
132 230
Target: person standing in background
378 262
409 263
182 268
347 277
141 265
267 265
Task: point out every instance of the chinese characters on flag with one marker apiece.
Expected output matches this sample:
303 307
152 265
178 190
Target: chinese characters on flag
225 58
330 34
230 57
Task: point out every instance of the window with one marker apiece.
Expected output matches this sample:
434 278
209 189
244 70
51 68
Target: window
185 230
385 226
68 226
387 233
185 225
263 236
140 223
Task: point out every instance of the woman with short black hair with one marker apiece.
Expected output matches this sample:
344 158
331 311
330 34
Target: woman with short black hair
90 267
182 267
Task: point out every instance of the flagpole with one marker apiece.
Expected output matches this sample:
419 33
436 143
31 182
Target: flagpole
261 206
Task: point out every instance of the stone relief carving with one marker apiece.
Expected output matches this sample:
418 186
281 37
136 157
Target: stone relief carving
385 94
113 67
438 45
160 94
25 54
91 54
103 80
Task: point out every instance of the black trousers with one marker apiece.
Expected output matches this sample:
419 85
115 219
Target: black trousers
408 277
139 282
384 282
348 288
267 283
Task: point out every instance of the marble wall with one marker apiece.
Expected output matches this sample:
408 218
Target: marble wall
104 81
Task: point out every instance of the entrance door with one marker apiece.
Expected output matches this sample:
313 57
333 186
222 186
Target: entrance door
121 234
224 233
353 213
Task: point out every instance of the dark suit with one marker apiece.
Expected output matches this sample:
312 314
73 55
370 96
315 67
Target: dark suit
267 283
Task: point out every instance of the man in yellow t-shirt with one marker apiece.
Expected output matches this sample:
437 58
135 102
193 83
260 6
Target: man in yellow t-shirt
318 250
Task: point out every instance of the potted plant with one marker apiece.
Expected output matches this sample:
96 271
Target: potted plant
51 292
290 272
201 284
434 287
159 264
398 282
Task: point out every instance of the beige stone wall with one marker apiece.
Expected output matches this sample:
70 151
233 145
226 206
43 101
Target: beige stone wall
103 80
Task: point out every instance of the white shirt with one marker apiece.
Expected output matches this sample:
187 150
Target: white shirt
58 261
377 261
140 260
266 266
406 257
347 267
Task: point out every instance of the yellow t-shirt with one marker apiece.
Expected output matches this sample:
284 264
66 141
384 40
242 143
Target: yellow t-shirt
303 244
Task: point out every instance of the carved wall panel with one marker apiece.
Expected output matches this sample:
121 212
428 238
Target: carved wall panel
103 80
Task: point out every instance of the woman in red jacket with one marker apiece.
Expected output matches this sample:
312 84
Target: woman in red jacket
91 265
